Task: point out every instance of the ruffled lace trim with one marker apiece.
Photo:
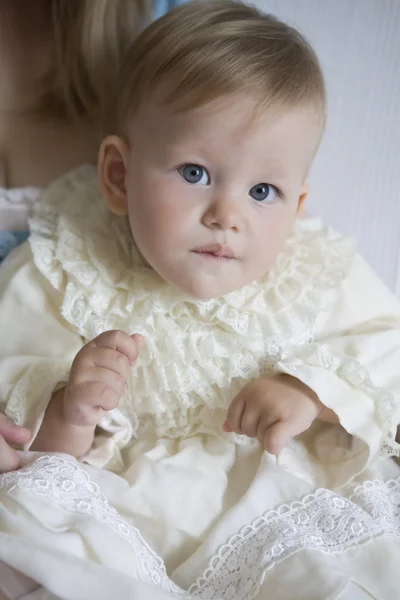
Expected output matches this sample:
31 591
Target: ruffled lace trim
324 522
89 256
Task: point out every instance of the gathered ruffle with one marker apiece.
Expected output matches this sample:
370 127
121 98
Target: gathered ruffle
198 354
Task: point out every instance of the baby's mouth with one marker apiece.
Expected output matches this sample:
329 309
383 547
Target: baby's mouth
215 250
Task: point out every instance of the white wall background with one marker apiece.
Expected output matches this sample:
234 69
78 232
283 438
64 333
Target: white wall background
355 182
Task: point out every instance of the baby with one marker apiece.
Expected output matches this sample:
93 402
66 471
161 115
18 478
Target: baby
184 319
211 182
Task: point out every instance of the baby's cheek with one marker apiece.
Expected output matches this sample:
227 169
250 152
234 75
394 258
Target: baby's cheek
271 240
151 225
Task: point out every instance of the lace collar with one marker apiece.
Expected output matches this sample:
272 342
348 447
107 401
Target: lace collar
89 256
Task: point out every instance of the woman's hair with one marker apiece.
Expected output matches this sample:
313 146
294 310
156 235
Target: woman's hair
90 39
206 49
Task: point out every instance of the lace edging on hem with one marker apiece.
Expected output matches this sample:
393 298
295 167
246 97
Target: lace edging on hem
322 521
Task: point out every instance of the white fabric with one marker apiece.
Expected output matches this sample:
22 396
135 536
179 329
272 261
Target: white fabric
16 206
182 506
13 585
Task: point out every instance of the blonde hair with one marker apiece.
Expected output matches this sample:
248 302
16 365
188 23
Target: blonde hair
206 49
90 39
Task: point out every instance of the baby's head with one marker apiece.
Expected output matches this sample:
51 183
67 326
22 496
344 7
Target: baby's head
221 112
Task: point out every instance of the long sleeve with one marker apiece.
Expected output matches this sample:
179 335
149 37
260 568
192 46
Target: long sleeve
37 346
354 367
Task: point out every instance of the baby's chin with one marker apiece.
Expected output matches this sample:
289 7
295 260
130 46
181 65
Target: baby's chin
196 283
198 289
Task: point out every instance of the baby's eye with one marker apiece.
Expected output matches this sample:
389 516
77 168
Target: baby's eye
194 174
264 192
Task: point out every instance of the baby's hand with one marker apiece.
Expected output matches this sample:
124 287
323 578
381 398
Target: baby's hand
98 377
273 409
10 434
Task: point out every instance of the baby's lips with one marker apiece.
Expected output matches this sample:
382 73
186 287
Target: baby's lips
226 427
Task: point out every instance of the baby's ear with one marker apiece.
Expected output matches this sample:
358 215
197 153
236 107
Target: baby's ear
305 188
112 168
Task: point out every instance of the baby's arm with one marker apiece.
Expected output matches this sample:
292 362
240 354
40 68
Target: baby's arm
37 350
350 373
353 368
96 384
56 434
10 434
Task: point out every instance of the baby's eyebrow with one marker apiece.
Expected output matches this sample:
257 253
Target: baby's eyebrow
190 148
175 148
274 167
184 145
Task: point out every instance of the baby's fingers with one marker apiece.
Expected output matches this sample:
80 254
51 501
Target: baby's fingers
9 459
234 417
250 420
121 342
112 360
139 341
13 434
279 434
88 403
91 377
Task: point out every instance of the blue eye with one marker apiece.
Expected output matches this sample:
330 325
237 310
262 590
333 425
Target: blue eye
194 174
264 192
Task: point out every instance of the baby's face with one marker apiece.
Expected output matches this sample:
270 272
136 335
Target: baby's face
212 193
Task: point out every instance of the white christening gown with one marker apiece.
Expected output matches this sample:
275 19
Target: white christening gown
166 504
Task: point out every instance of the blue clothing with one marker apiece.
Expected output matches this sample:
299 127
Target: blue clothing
160 7
9 240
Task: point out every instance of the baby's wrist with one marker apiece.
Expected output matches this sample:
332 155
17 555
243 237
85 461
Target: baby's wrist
328 416
304 389
319 407
57 413
57 434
